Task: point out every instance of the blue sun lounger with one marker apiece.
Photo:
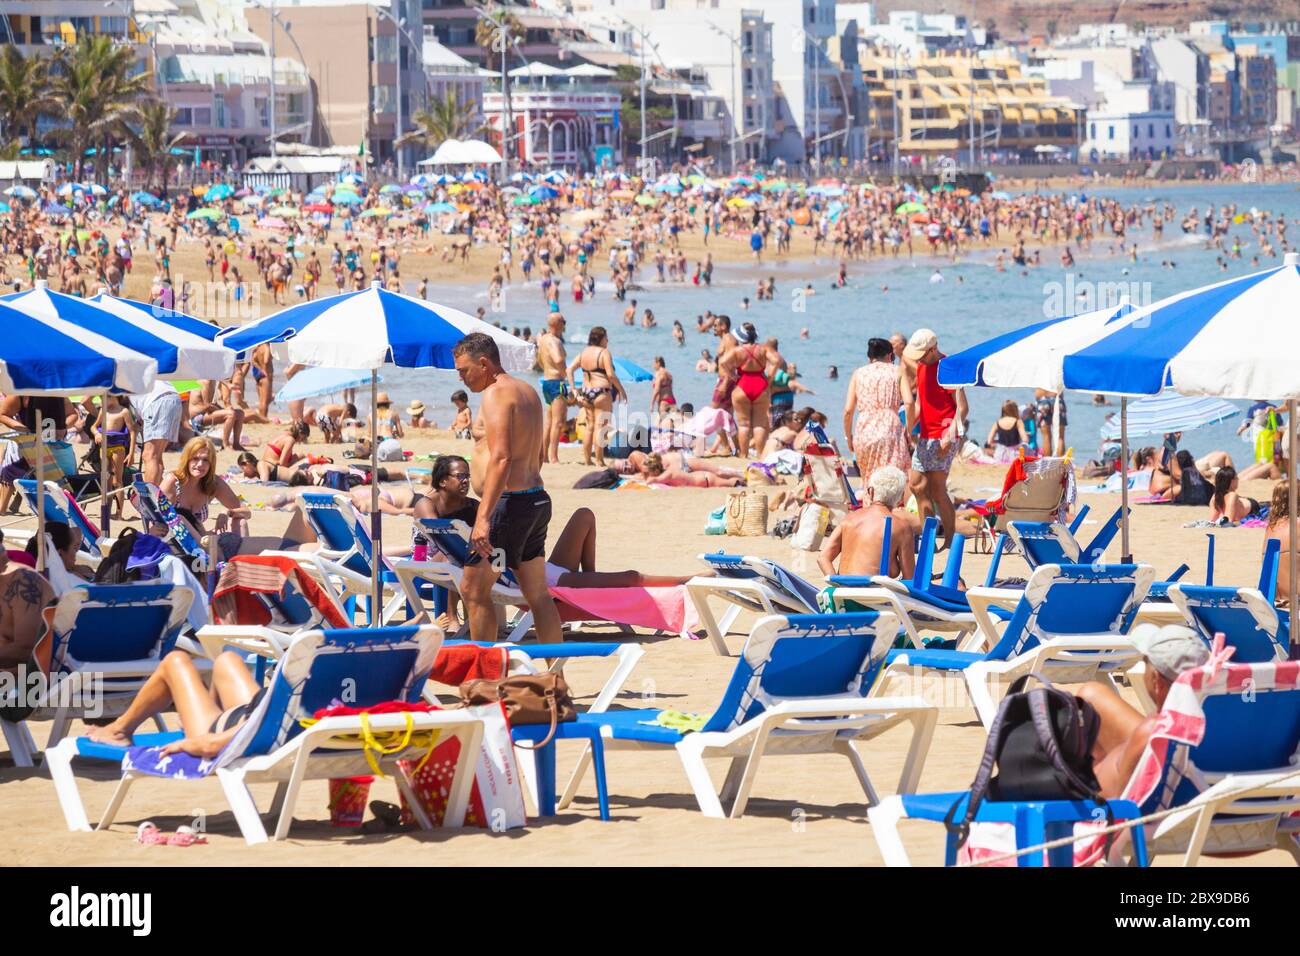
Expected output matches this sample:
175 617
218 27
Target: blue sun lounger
1238 782
107 640
1071 625
746 583
375 664
799 686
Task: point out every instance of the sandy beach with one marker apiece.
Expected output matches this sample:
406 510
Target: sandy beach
805 811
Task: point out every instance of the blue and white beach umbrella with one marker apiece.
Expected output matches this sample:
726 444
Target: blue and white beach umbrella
369 329
40 357
375 327
1170 412
53 357
1032 356
178 353
1233 339
314 382
177 320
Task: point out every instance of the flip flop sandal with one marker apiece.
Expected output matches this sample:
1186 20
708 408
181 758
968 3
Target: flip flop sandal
148 834
185 836
389 814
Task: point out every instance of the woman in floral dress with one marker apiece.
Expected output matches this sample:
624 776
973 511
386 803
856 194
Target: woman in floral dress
877 438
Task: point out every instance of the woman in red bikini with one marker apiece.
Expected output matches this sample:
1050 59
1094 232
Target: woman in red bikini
752 365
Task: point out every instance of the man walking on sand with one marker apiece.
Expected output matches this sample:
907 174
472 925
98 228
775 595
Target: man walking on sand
940 414
510 528
550 351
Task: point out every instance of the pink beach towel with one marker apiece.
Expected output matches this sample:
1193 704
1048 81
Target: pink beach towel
663 609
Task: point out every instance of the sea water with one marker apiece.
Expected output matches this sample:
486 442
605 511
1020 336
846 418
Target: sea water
839 321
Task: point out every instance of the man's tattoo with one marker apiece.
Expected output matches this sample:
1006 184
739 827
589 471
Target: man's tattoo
25 585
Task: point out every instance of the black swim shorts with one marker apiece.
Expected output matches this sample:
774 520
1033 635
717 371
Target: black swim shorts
518 527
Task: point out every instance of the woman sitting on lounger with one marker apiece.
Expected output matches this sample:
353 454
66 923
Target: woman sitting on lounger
210 717
573 559
192 488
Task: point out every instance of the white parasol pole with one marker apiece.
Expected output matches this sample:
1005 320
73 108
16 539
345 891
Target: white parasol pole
1126 556
106 505
1291 513
40 492
376 523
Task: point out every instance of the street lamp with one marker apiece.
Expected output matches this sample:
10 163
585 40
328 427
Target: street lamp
400 25
501 42
642 159
738 118
816 42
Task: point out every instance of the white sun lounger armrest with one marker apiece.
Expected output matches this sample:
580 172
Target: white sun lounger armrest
980 600
253 638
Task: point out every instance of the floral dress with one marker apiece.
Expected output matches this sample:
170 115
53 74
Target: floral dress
878 437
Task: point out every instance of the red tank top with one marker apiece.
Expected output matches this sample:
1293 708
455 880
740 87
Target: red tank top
938 406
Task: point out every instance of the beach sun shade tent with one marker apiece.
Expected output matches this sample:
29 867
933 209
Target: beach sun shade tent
178 352
314 382
1170 412
367 330
52 357
456 152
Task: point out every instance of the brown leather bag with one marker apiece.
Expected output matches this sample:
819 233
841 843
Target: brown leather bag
528 699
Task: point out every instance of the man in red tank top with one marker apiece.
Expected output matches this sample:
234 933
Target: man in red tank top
939 414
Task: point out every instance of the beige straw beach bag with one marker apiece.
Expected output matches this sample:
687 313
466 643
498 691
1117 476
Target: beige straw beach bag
747 513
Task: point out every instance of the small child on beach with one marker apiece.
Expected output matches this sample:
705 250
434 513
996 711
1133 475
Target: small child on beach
117 440
461 426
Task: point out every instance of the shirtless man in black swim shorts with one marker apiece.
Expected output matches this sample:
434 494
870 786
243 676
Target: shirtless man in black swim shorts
510 530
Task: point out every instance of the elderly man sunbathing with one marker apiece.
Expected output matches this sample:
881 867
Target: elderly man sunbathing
858 540
1124 732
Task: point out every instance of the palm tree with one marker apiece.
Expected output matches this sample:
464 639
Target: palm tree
99 95
487 36
24 93
154 141
445 119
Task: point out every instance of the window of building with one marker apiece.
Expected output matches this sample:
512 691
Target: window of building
184 117
263 112
219 110
385 49
749 79
383 99
1092 131
1168 132
1151 130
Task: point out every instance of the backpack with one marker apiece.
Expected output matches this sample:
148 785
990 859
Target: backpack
605 478
112 569
1041 743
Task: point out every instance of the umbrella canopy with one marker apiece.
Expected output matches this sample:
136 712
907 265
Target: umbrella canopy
1029 357
439 207
143 198
54 357
910 206
198 354
57 209
314 382
272 222
625 370
318 207
218 192
1228 339
207 212
342 198
373 327
285 212
176 353
1170 413
454 152
21 192
377 211
390 188
543 192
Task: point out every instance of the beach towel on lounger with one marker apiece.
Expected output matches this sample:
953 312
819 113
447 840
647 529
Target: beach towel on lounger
660 609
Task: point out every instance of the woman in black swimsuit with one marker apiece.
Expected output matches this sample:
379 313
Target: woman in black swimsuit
210 717
600 387
1226 503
